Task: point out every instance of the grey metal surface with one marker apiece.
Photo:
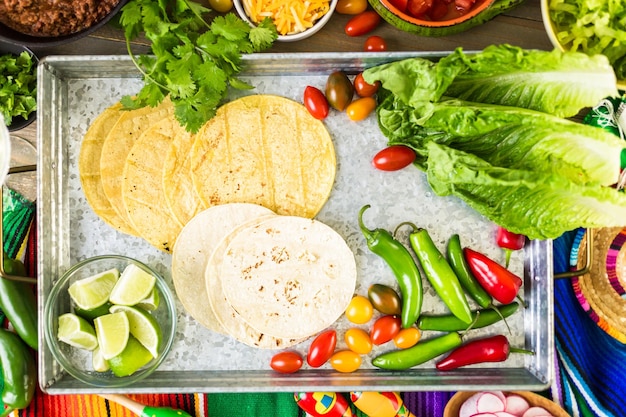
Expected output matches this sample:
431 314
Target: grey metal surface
73 90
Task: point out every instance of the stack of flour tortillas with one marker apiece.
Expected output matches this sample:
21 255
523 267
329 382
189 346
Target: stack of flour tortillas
269 281
144 175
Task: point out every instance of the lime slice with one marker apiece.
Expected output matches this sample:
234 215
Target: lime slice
94 312
113 331
150 303
98 362
132 358
134 285
92 292
76 331
143 327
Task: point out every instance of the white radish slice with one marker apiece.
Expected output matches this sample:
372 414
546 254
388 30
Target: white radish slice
470 406
490 402
516 404
485 415
506 414
536 412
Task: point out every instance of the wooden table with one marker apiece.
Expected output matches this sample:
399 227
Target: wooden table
521 26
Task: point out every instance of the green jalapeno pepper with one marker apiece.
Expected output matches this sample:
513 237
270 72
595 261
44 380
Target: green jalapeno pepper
18 371
424 351
439 273
464 274
18 302
481 318
399 259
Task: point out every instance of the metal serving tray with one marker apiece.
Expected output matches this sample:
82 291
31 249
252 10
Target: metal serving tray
73 90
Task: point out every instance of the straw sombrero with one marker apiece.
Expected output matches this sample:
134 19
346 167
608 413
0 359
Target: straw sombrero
602 291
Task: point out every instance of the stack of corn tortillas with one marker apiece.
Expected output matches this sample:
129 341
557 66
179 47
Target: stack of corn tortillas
268 280
144 175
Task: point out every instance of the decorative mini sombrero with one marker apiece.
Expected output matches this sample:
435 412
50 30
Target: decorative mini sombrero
602 290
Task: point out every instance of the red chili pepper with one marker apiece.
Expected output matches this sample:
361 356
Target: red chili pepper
499 282
490 349
509 241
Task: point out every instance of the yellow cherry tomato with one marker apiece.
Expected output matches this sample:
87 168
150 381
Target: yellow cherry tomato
221 6
360 108
351 6
345 361
360 310
407 337
358 341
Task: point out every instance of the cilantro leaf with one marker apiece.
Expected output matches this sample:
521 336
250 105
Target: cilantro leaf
194 61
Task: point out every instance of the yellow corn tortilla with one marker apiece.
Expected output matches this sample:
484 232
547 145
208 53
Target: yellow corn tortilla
142 186
265 150
89 169
118 144
287 276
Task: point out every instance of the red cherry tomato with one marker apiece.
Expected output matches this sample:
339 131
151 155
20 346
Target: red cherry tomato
363 88
362 23
322 348
286 362
358 340
360 108
393 158
375 44
418 8
399 4
345 361
360 310
385 328
439 10
351 6
315 102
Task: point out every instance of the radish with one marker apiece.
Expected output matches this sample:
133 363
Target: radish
469 406
537 412
485 415
516 404
506 414
491 401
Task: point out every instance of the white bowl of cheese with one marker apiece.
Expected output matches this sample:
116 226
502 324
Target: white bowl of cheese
294 19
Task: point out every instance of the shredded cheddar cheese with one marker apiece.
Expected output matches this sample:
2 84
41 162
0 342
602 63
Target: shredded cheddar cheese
289 16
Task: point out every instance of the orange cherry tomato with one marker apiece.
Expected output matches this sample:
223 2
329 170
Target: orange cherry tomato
322 348
407 337
315 102
364 89
360 108
385 328
351 6
345 361
286 362
360 310
362 23
393 158
375 44
358 340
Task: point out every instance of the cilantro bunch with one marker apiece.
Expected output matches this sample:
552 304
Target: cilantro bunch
18 86
193 61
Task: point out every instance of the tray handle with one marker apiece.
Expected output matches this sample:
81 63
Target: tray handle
3 273
588 260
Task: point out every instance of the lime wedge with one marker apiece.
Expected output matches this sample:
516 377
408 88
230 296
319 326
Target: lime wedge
134 285
131 359
112 331
77 332
98 362
143 327
150 303
91 314
92 292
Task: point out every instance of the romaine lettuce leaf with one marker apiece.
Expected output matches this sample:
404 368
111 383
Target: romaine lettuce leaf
508 137
537 205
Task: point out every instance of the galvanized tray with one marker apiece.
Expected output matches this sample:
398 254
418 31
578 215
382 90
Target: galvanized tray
73 90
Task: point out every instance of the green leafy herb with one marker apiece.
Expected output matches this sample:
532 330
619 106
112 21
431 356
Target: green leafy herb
193 61
18 86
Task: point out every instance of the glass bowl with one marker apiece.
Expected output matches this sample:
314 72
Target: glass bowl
319 24
78 362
